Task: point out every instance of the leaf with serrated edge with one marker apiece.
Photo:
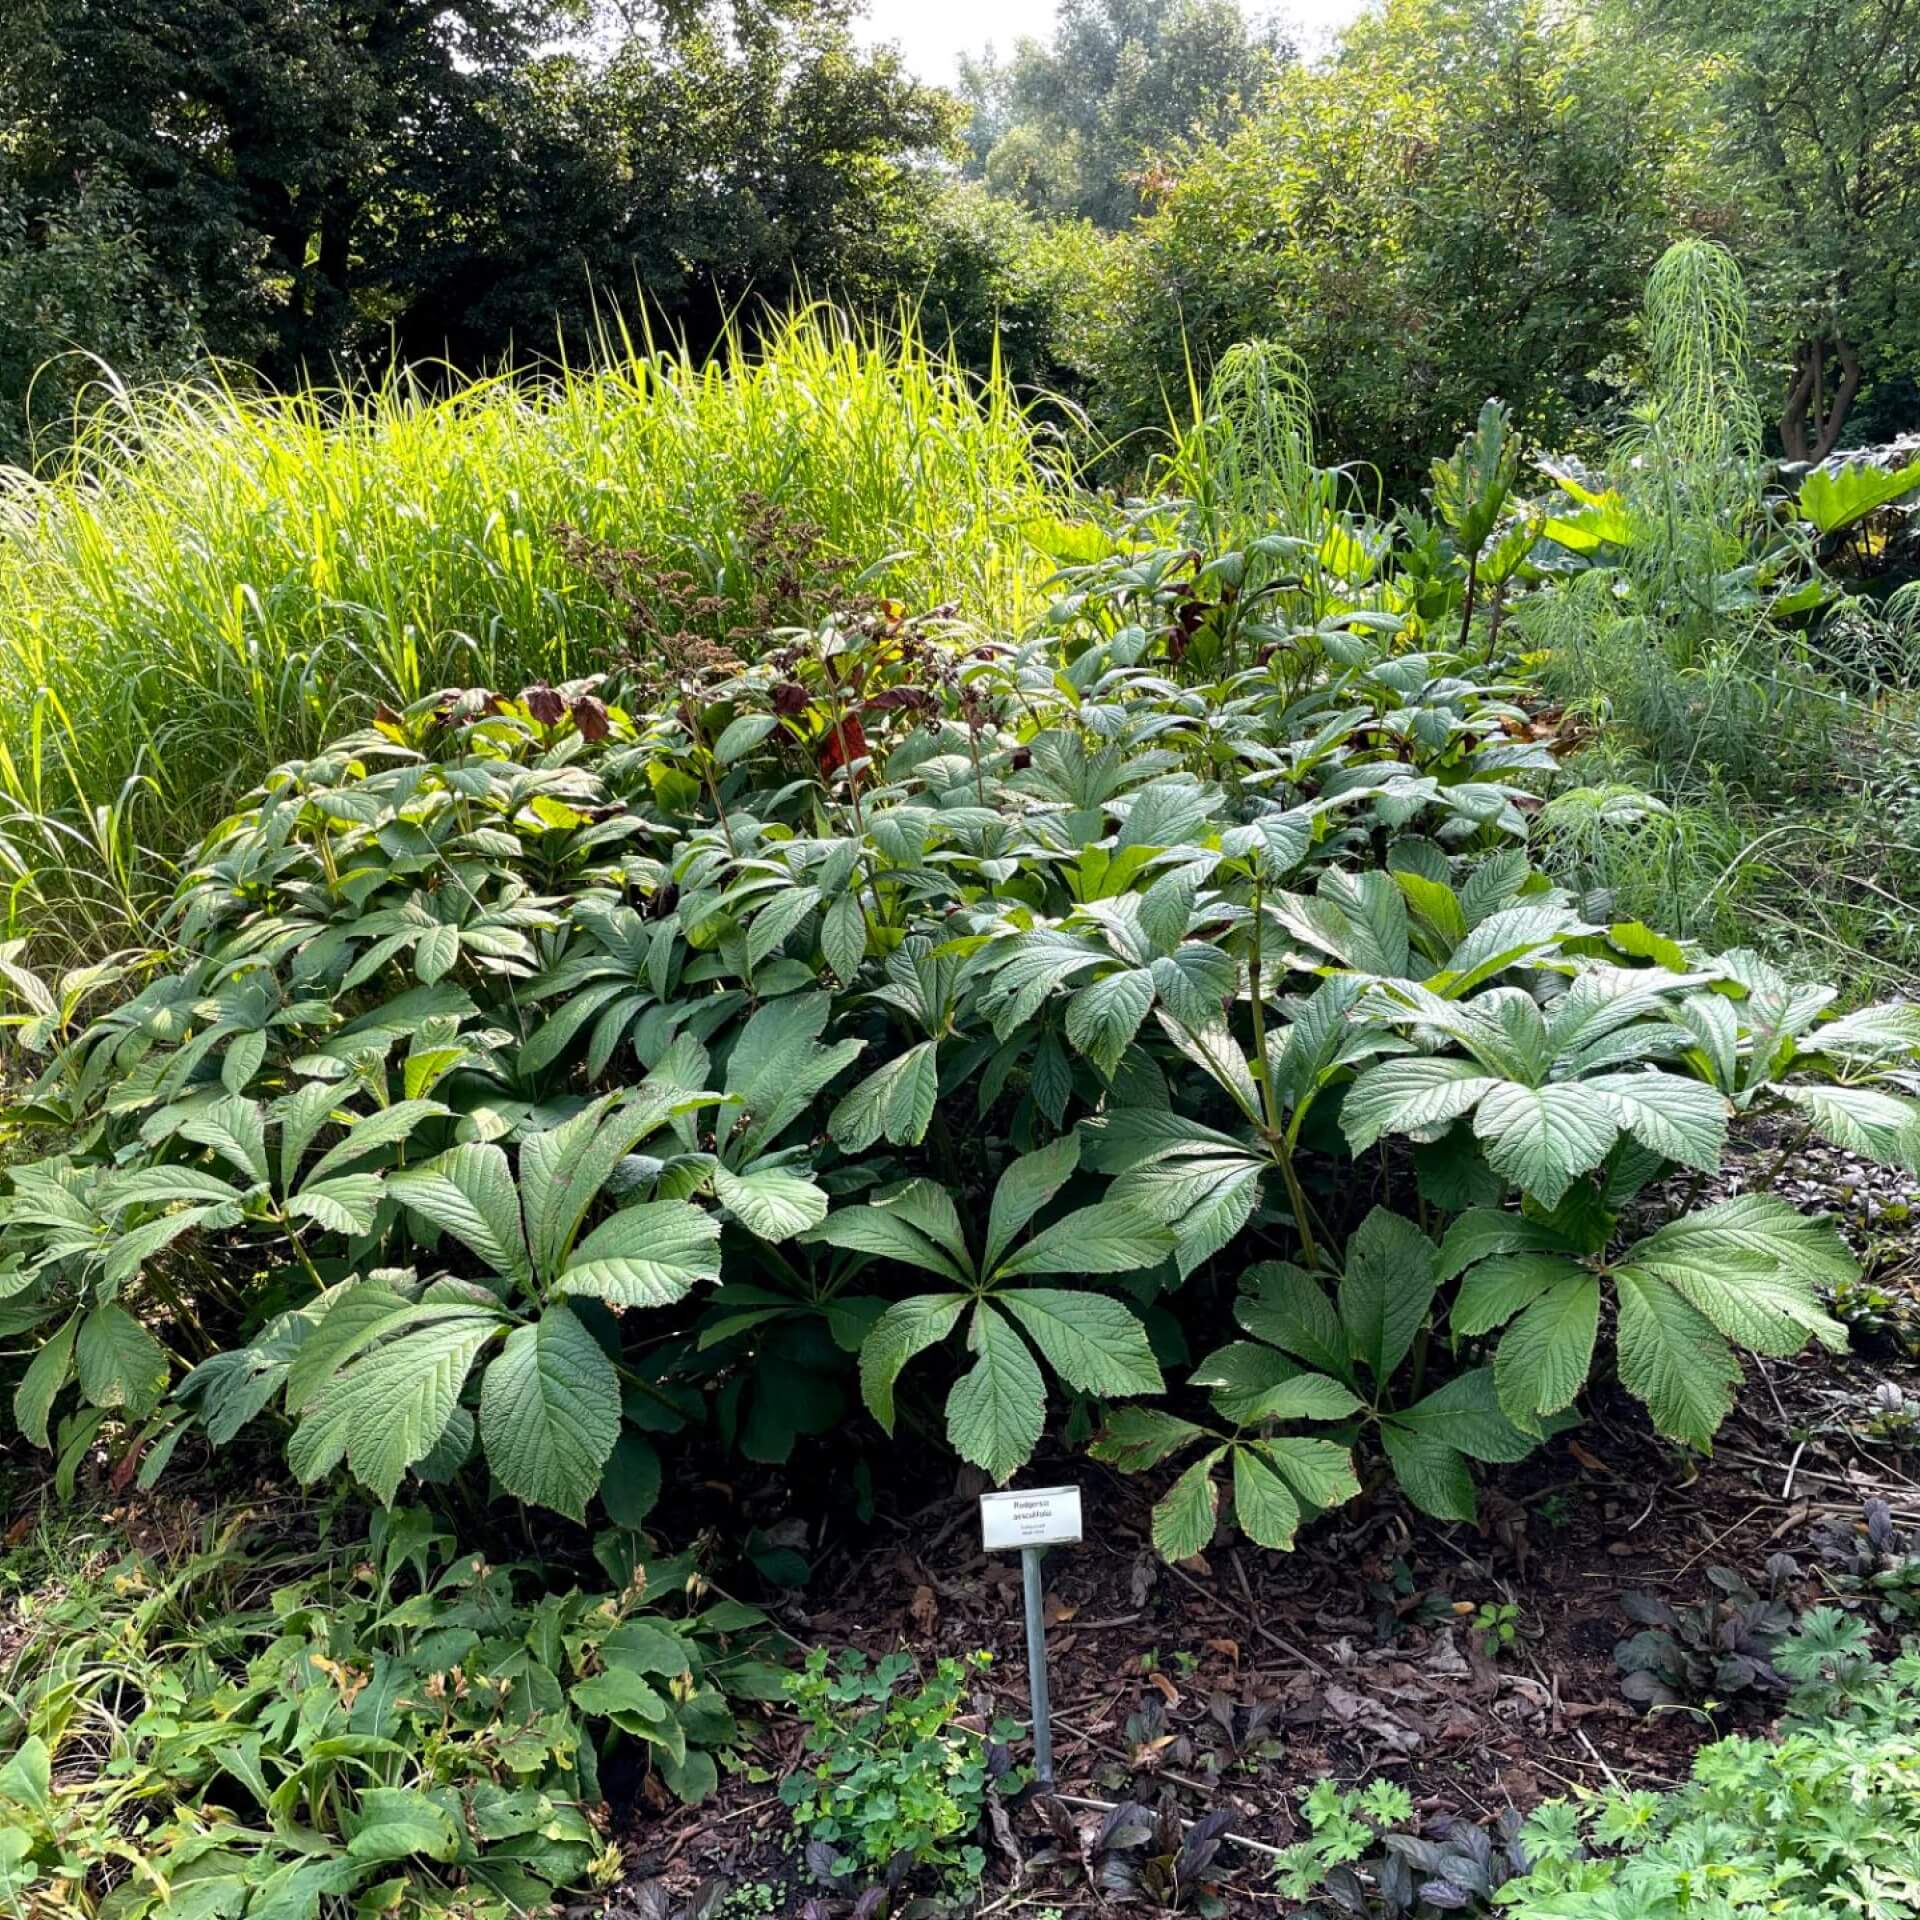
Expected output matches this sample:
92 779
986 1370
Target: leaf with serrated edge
550 1413
1267 1513
647 1255
1543 1138
1672 1359
1095 1344
1184 1521
1543 1357
907 1327
998 1406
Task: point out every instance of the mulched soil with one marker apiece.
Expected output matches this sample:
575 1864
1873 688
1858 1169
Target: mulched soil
1237 1680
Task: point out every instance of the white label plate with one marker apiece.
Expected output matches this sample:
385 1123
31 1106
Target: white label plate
1030 1517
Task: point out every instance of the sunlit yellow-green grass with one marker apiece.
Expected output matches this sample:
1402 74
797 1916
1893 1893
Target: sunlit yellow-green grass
217 582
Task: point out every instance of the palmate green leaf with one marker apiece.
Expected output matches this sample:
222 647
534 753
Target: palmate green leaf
1672 1358
1755 1267
1544 1138
1184 1521
119 1362
646 1255
237 1131
1482 1231
388 1408
1386 1290
1136 1438
1878 1126
1094 1343
1266 1512
550 1413
348 1321
773 1203
563 1170
1103 1018
908 1327
1023 1190
1098 1239
1679 1119
1411 1094
1543 1357
998 1406
468 1191
1290 1310
385 1127
1499 1287
1320 1472
843 936
894 1103
1430 1443
886 1233
345 1204
40 1385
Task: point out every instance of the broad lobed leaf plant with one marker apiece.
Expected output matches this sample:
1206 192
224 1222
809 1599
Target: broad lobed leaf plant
986 1028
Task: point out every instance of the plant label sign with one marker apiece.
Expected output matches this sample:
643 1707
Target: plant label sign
1030 1517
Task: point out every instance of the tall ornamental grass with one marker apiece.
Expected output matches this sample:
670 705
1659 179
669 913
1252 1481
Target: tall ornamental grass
214 580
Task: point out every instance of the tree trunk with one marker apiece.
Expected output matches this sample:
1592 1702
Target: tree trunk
1811 422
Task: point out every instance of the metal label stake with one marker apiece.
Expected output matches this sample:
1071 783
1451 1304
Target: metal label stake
1033 1519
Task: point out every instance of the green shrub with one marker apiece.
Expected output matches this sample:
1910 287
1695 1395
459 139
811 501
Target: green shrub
532 1077
393 1723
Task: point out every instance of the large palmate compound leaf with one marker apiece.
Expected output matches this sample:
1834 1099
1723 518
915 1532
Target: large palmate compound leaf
550 1413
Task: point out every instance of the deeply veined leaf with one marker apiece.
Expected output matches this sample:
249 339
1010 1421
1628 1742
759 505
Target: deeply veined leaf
1307 1396
40 1385
345 1204
894 1103
1412 1094
550 1413
1544 1138
351 1318
1136 1438
1878 1126
1754 1266
888 1236
1498 1288
563 1170
1268 1514
1672 1358
907 1327
998 1406
1023 1190
1320 1472
234 1129
1482 1231
468 1191
119 1362
1184 1521
647 1255
1098 1239
1289 1309
1543 1357
1681 1120
1386 1290
385 1127
1094 1343
388 1408
1103 1018
771 1202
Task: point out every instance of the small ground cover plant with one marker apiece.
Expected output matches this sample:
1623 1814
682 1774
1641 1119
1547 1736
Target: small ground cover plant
256 1725
894 1778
